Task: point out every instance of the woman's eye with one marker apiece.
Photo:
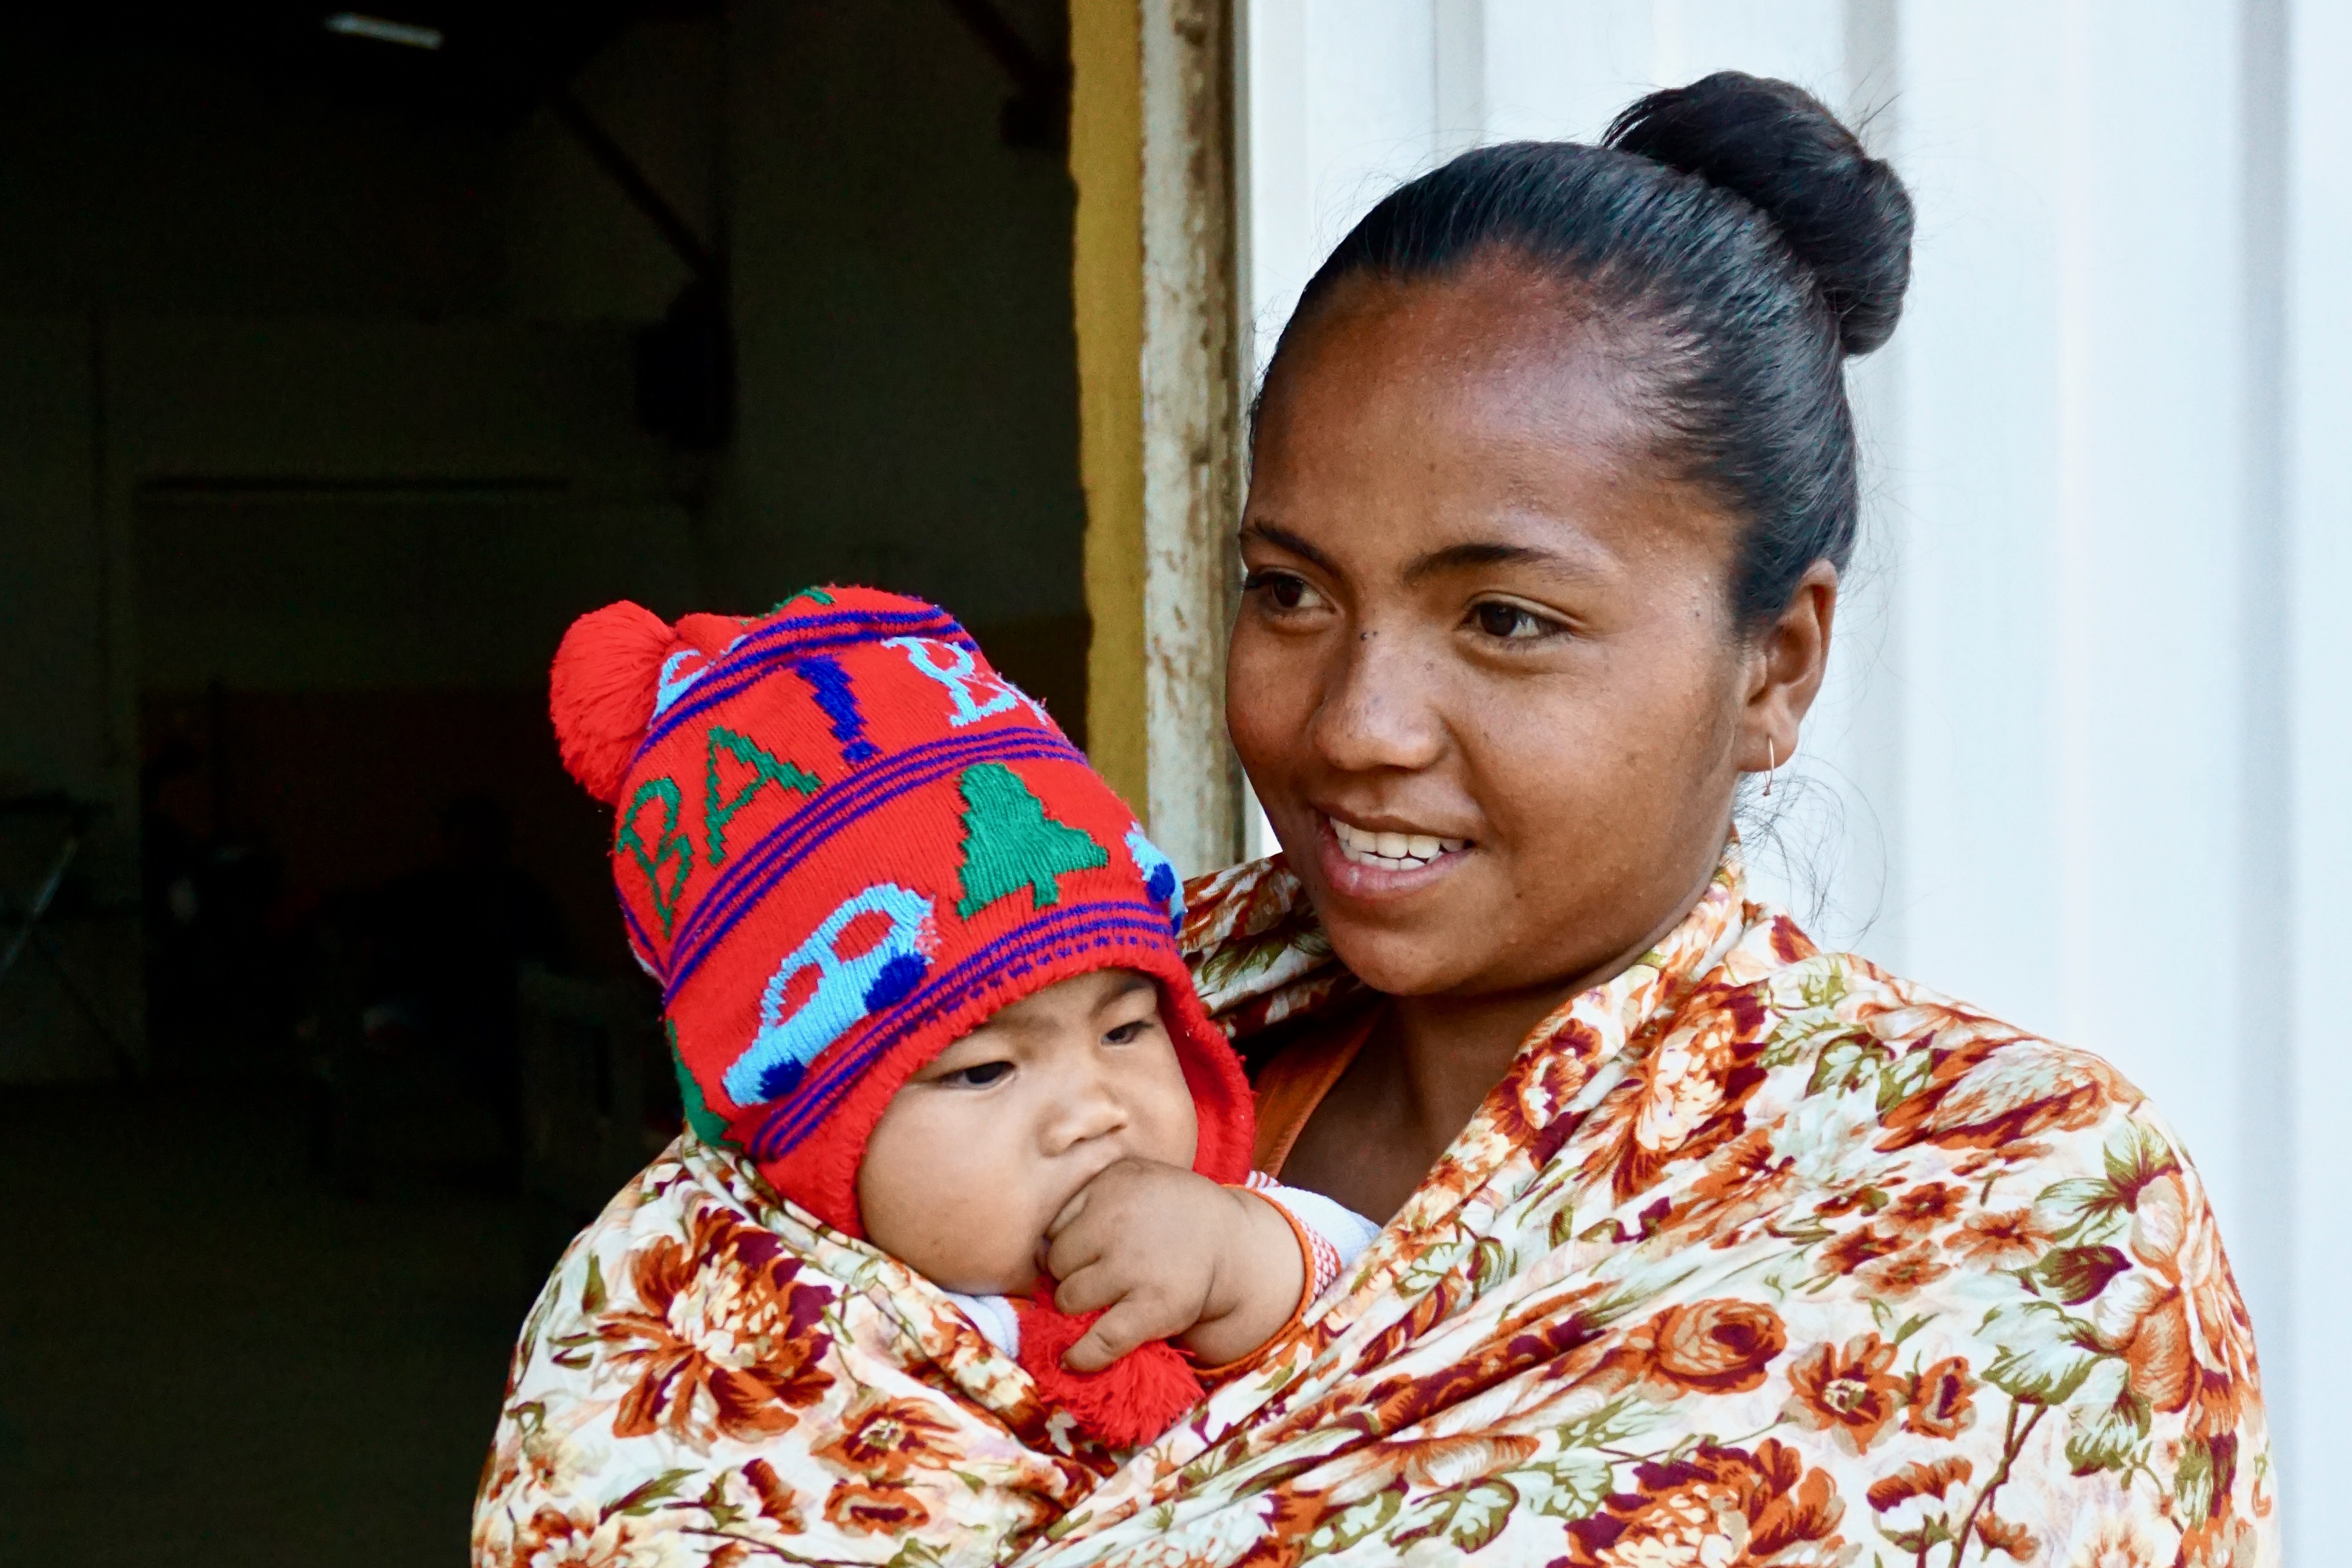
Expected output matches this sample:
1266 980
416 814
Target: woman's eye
1285 591
979 1077
1510 622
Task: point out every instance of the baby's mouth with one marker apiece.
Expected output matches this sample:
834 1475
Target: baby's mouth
1392 851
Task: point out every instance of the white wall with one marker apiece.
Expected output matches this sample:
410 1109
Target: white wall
2315 717
2089 707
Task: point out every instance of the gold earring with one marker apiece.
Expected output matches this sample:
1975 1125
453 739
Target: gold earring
1772 765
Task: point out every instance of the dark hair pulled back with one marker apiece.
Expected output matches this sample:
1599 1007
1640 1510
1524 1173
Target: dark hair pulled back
1744 238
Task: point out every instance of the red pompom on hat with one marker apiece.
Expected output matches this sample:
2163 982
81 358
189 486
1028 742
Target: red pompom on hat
842 842
601 692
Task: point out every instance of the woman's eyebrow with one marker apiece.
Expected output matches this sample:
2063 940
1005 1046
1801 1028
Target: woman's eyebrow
1282 538
1454 558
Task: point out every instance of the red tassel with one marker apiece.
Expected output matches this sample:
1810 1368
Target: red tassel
1128 1403
600 693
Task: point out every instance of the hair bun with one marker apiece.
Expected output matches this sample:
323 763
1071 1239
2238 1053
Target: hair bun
601 692
1843 212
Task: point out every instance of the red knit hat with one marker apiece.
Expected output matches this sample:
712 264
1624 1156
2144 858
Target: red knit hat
844 843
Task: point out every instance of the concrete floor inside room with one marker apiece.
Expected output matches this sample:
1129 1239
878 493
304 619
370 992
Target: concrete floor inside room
287 1375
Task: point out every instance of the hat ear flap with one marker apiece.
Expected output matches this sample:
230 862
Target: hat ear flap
601 692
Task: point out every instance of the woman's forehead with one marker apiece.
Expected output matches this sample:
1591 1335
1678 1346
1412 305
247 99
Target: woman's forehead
1516 493
1415 379
1483 409
1496 327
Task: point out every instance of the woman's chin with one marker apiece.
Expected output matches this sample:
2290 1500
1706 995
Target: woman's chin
1408 932
1408 956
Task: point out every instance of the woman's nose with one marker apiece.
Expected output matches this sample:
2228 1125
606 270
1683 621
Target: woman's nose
1377 708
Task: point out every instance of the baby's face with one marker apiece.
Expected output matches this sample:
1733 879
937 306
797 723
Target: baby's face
980 1151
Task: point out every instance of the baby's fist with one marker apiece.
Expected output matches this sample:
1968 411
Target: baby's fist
1148 1243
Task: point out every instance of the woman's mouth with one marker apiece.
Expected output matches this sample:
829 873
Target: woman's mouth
1391 852
1375 861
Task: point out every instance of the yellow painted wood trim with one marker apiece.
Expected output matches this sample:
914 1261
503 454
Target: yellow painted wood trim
1107 165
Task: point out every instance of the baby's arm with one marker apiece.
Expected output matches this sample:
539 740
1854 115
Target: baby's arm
1172 1255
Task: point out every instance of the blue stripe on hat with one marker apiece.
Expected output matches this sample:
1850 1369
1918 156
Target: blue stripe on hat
1075 930
753 873
759 653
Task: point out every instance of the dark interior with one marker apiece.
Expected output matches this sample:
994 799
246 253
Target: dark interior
346 356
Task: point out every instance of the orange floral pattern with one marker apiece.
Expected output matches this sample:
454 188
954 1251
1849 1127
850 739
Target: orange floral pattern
1846 1391
1720 1507
1756 1257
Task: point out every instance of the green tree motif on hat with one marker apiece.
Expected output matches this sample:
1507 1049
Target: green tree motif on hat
813 595
1010 843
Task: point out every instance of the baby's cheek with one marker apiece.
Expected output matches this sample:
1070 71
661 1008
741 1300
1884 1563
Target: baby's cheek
945 1201
1179 1132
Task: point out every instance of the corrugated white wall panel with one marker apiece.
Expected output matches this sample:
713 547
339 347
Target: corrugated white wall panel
2306 1371
2082 756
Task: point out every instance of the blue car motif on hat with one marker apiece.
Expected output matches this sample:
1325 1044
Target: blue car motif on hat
847 991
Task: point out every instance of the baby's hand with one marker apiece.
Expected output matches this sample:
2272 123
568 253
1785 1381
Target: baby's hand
1172 1255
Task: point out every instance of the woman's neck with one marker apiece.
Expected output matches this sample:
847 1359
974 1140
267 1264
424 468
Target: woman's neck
1427 1066
1420 1077
1447 1053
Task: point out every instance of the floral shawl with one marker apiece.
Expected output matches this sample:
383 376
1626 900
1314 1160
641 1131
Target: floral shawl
1756 1256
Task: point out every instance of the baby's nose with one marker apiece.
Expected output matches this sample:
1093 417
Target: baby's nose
1091 1112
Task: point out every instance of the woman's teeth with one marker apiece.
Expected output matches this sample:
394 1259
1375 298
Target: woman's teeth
1391 852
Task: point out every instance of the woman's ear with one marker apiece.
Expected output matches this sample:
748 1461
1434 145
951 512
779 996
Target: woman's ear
1785 666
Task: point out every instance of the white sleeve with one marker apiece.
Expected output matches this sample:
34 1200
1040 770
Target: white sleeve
1336 1235
1347 1232
994 1317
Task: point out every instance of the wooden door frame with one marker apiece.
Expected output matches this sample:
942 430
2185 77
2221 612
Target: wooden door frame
1156 264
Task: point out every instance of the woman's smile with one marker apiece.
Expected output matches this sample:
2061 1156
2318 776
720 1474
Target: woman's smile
1384 861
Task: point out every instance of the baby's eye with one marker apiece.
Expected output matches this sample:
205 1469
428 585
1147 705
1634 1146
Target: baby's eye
1126 1033
977 1077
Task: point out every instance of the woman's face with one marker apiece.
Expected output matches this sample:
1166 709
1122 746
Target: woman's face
1484 678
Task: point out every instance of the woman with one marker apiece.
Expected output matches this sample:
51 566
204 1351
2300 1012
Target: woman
1703 1247
1708 1248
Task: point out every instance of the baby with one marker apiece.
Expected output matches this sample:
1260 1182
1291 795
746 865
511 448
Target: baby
1058 1138
920 967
